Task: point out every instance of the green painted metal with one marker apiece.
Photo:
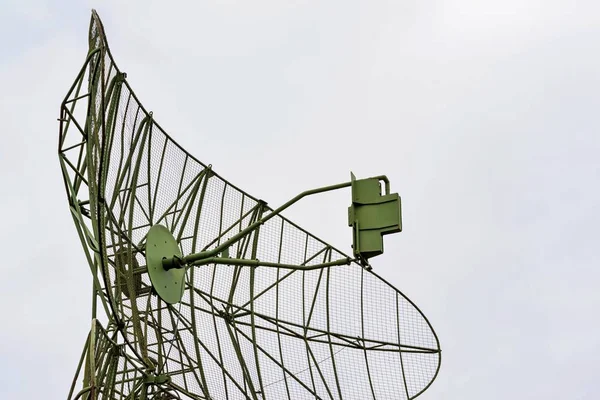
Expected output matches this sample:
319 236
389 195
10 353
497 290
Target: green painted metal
372 215
168 283
192 258
258 308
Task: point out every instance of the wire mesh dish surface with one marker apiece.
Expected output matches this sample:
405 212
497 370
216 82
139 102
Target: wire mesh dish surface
239 332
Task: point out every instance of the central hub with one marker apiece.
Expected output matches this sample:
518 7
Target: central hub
160 244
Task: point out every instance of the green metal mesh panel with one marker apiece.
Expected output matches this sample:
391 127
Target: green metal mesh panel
238 332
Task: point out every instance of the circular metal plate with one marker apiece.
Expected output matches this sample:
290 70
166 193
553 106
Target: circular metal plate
160 244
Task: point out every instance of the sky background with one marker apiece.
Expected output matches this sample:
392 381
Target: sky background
483 114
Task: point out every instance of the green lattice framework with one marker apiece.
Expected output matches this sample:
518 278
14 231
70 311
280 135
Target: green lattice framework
277 314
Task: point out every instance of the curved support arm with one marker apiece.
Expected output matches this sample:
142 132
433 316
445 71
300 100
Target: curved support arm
210 256
192 258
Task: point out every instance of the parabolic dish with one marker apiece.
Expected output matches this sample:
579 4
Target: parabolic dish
239 332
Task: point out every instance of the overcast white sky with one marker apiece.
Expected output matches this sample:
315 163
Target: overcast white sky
484 115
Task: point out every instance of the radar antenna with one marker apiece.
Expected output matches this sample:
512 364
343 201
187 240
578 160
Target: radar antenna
205 291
